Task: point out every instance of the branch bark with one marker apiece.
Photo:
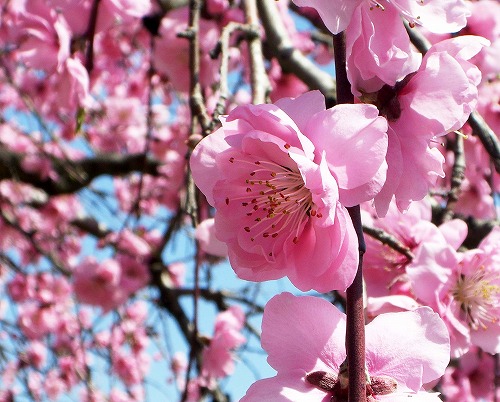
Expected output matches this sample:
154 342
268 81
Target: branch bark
355 325
74 175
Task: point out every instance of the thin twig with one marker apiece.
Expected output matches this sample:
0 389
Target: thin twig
389 240
258 77
457 177
198 115
89 56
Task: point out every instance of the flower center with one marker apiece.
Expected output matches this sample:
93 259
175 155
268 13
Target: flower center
275 200
478 298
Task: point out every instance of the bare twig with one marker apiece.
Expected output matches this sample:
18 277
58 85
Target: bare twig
259 79
457 177
199 113
389 240
89 56
74 175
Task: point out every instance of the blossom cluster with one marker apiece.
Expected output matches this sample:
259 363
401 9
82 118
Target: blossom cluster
111 109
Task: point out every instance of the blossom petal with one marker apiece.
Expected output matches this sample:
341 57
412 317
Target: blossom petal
305 333
287 387
303 107
412 347
336 15
438 16
345 131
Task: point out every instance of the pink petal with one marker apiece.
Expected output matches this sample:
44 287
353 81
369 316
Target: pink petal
394 171
302 108
303 333
412 347
455 232
379 49
346 131
427 274
442 82
286 387
336 14
438 16
203 162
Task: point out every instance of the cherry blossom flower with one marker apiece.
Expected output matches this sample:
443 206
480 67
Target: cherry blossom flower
464 288
445 76
378 48
384 269
277 175
218 357
205 234
437 16
98 283
44 37
471 379
305 341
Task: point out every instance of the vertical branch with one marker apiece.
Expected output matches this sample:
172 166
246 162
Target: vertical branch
196 102
355 330
496 390
89 56
260 82
457 176
198 116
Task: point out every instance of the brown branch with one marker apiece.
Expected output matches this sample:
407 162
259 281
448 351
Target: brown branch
279 45
222 47
487 137
199 113
457 177
89 55
259 79
389 240
74 175
355 317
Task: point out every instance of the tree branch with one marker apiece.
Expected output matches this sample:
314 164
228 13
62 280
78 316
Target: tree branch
389 240
74 175
292 60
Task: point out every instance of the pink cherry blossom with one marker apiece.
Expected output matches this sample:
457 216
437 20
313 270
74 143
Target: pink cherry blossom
73 86
21 287
464 288
36 321
218 357
305 341
384 268
98 283
205 234
43 36
36 354
414 119
436 16
471 379
277 175
378 48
